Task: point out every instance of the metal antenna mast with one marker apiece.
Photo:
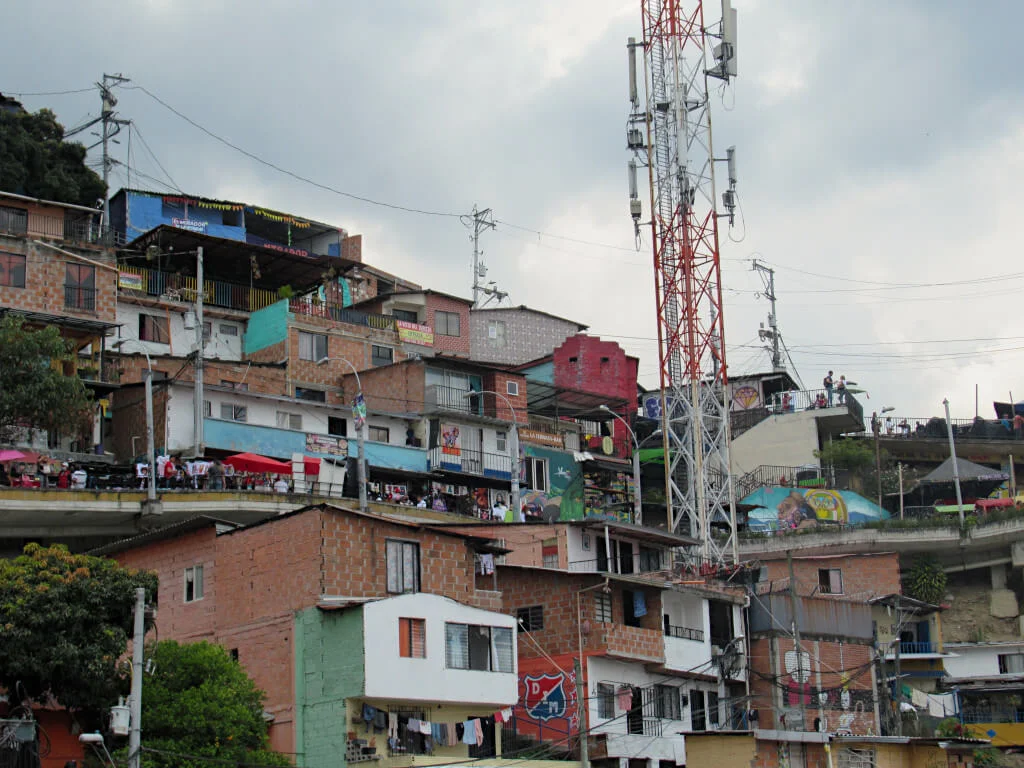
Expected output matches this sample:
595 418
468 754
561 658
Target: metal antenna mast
111 127
480 221
678 153
768 276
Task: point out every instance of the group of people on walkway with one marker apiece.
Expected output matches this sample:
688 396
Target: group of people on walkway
834 390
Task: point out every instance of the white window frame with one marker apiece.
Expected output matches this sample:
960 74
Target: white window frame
288 420
501 647
501 440
530 464
193 577
403 550
309 339
227 329
832 579
512 388
236 410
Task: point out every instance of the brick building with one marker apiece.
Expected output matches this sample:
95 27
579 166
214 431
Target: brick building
332 611
427 318
57 268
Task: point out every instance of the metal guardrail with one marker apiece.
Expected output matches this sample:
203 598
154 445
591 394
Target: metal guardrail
934 428
141 281
79 228
792 401
453 399
306 305
992 715
472 462
916 647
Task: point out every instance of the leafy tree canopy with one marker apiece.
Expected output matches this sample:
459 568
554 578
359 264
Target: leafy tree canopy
34 393
66 620
854 455
36 161
199 701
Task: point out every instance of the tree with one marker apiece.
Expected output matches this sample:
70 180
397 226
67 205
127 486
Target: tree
199 701
853 455
34 393
65 621
36 161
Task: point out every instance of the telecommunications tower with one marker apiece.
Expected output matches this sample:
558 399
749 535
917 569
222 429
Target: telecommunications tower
669 132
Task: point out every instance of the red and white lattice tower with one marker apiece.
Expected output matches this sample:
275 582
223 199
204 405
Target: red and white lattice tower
670 133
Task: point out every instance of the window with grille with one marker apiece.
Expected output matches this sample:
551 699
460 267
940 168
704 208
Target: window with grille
531 619
287 420
382 355
485 649
501 440
412 638
12 270
193 583
403 563
603 607
605 700
666 702
856 757
226 329
447 324
232 412
312 346
405 315
830 581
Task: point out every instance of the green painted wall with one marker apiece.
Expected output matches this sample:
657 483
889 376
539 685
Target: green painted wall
266 326
328 670
564 498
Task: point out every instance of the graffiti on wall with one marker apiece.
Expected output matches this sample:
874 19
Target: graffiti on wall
563 499
779 508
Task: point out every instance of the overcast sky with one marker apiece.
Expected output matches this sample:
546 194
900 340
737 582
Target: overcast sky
879 145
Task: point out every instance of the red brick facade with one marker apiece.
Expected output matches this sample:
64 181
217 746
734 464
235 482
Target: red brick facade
449 345
498 381
863 576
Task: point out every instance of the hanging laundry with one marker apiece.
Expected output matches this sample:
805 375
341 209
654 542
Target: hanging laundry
486 565
469 732
478 726
380 722
498 718
393 725
460 731
425 727
454 735
639 604
624 699
369 713
506 714
413 726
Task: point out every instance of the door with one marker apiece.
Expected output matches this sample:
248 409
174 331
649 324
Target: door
635 716
924 636
698 717
472 454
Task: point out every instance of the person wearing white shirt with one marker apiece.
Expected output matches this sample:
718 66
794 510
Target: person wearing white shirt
281 485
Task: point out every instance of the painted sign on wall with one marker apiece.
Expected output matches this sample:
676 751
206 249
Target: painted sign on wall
745 397
783 508
548 706
326 444
541 438
129 281
192 225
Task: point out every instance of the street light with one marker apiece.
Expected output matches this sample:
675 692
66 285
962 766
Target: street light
96 740
876 427
638 508
150 442
360 429
517 508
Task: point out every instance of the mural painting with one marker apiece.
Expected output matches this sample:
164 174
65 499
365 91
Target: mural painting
547 705
563 500
781 508
745 397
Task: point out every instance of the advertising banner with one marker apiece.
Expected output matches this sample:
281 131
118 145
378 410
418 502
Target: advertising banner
415 334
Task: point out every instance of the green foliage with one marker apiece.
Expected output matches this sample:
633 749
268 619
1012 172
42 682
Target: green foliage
36 161
199 701
854 455
66 620
951 728
285 292
926 580
34 393
988 757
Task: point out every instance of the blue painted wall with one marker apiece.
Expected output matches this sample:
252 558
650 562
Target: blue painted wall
253 438
145 212
544 372
267 326
392 456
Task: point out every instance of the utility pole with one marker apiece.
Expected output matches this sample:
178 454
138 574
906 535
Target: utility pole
794 604
956 469
582 703
138 642
108 102
768 276
899 468
480 221
876 428
200 410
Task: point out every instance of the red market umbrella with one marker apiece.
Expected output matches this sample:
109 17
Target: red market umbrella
253 462
312 465
11 455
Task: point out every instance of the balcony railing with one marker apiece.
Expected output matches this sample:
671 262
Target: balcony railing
306 305
440 397
470 462
814 399
140 281
934 428
684 633
74 228
992 715
908 648
80 298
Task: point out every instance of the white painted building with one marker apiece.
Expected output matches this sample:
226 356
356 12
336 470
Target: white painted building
1002 659
162 331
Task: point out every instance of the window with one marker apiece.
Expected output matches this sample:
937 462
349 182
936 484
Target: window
238 386
856 757
12 269
337 426
405 315
496 332
193 583
603 607
234 654
830 581
403 566
501 440
207 330
1011 663
650 559
666 702
379 434
530 619
412 638
312 346
14 220
207 408
605 700
382 355
447 324
698 719
486 649
713 709
512 388
287 420
312 395
80 287
535 473
226 329
232 412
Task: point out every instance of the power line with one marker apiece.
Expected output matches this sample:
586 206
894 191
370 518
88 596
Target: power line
145 144
52 93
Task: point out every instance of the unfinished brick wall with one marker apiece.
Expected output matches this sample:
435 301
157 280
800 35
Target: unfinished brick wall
393 388
864 576
526 541
498 381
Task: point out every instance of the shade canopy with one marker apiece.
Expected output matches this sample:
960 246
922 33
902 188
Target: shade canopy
966 470
11 455
253 462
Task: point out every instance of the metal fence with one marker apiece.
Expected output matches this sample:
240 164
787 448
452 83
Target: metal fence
309 306
177 287
470 461
934 428
76 227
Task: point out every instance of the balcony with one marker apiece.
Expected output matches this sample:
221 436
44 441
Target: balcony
308 306
441 398
77 228
933 428
634 642
816 617
80 298
470 462
913 648
139 281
